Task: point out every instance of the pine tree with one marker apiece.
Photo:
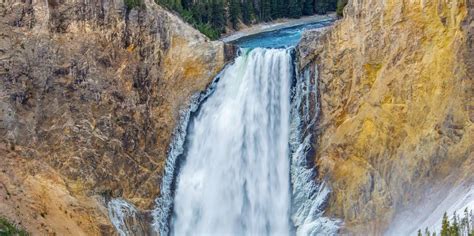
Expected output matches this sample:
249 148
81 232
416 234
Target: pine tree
217 15
247 12
278 9
445 225
471 223
266 10
321 6
427 232
467 226
294 8
454 229
308 7
282 8
419 233
187 4
234 13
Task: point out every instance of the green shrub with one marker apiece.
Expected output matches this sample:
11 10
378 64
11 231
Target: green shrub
208 30
130 4
341 4
9 229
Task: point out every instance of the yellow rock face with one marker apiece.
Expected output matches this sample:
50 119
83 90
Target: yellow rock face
90 94
396 106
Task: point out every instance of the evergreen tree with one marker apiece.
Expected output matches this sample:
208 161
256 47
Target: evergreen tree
212 16
276 9
467 225
217 15
294 9
471 223
454 229
321 6
419 233
234 13
187 4
266 10
445 225
282 8
427 232
308 7
247 11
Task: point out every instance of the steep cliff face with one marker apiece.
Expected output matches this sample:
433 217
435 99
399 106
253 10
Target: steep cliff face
89 96
396 107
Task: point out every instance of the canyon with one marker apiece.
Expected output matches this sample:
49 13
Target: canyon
92 94
395 131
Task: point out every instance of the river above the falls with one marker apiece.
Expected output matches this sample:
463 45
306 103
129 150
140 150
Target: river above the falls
280 37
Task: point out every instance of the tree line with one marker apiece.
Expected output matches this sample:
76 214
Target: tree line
213 17
458 225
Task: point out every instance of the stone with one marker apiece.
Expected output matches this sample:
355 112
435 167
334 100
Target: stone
90 93
395 81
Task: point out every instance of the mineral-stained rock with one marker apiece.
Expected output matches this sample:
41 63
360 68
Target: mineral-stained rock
89 95
396 106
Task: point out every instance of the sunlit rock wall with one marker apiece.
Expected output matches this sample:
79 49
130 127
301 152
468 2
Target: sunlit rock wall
89 95
396 107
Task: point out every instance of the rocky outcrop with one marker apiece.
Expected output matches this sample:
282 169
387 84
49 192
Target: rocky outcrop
395 81
89 95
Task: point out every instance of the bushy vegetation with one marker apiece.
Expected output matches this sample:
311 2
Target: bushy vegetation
212 17
459 225
341 4
130 4
8 229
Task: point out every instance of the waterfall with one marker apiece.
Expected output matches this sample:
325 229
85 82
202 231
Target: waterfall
238 163
241 159
119 210
235 178
164 203
308 196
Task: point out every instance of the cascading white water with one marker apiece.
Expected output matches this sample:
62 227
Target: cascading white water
240 160
235 178
308 196
119 210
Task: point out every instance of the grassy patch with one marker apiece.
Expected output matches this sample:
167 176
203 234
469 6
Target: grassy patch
9 229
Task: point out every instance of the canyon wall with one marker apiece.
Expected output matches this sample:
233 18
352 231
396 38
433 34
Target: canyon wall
90 92
395 131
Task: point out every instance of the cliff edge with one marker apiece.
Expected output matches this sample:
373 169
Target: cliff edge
395 131
90 92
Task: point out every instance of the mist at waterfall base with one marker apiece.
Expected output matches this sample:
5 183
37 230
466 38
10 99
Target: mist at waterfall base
238 162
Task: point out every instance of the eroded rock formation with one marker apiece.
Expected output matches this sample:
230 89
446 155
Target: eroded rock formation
89 96
396 107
